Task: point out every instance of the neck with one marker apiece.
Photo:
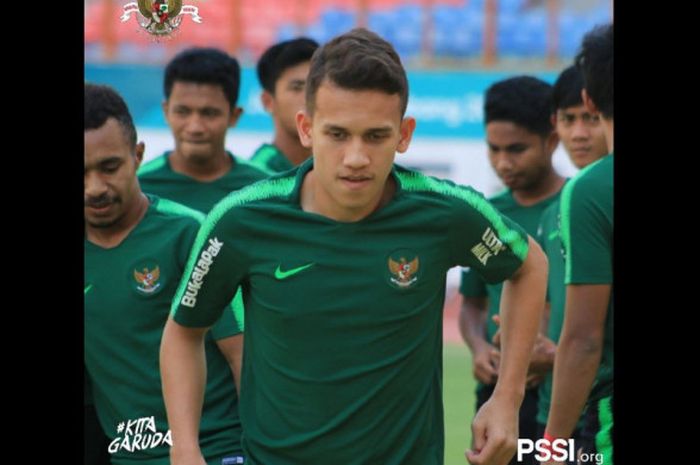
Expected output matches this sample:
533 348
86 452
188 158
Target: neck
113 235
203 169
315 200
550 185
290 146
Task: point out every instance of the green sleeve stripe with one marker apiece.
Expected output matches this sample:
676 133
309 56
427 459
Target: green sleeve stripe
264 189
565 212
418 182
152 165
603 438
262 158
177 209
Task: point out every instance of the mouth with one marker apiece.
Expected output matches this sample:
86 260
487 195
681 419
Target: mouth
509 179
355 182
581 150
99 209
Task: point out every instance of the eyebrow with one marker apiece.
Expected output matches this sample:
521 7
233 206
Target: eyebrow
507 147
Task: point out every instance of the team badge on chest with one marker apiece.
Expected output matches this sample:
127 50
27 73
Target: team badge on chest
403 266
146 277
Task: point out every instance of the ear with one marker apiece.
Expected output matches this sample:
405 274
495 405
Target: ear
267 101
236 113
588 103
164 106
304 126
138 153
551 142
553 119
408 125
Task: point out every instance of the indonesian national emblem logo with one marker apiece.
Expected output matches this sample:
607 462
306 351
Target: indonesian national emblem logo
146 277
403 268
160 17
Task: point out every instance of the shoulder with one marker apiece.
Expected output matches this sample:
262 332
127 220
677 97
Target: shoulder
153 167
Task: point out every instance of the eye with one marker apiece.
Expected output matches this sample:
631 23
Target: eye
337 135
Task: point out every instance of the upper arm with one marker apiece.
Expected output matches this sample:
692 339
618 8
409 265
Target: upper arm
214 269
586 310
488 242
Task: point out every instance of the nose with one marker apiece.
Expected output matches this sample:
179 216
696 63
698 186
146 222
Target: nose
95 186
501 162
356 155
194 125
580 131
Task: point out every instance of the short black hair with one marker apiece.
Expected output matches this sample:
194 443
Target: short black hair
282 56
595 60
566 92
358 60
103 102
523 100
205 66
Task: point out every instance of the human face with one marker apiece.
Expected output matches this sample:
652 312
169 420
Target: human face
288 98
520 158
198 116
582 134
354 135
111 188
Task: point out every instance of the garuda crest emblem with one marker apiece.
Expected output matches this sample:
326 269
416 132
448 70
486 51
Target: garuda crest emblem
160 17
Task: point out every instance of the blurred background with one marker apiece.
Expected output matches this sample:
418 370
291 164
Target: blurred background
453 50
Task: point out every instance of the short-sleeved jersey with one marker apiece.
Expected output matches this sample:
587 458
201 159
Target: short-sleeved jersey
270 159
587 233
128 294
528 217
549 238
343 347
157 177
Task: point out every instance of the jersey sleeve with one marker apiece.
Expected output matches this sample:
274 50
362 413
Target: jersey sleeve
231 321
483 239
472 285
586 230
213 272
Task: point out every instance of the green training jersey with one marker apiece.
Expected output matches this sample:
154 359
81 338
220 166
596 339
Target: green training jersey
270 159
528 218
157 177
587 233
549 238
343 347
128 293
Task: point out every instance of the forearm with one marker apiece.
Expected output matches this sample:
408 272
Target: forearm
522 303
472 324
575 368
183 373
232 348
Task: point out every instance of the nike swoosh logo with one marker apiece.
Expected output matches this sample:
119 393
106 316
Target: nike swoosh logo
87 288
279 274
553 235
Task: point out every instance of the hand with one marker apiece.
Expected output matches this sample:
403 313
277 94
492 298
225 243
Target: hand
494 433
186 457
542 360
543 352
533 380
485 370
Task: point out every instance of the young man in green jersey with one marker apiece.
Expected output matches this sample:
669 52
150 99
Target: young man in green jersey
343 264
581 133
521 141
282 72
201 91
136 246
583 368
